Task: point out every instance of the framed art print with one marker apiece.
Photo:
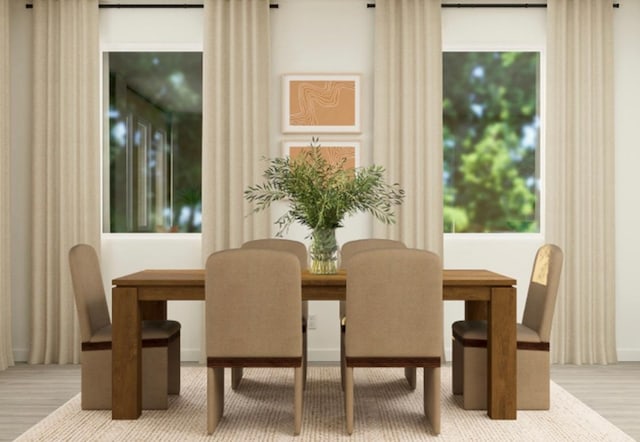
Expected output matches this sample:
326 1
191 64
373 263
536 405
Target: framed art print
332 151
321 103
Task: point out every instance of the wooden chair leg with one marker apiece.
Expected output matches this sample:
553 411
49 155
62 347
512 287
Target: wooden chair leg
348 398
298 380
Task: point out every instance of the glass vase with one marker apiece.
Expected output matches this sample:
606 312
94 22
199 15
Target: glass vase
323 252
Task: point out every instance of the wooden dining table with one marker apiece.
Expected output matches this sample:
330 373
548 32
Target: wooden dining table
144 295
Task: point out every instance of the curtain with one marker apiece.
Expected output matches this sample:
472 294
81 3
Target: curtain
580 182
408 116
235 120
6 349
66 167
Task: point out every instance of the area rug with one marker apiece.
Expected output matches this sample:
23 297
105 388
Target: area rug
261 409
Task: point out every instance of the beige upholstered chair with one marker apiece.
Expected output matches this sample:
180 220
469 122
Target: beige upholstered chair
160 341
300 250
394 319
348 250
253 319
469 364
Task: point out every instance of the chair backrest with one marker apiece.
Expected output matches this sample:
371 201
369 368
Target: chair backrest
543 290
350 248
285 245
253 304
88 289
394 304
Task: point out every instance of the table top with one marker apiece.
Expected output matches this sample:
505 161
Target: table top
195 278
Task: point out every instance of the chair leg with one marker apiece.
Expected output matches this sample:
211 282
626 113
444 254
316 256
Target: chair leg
457 367
304 360
533 380
341 316
155 379
305 328
298 380
343 363
432 397
236 377
215 397
95 379
474 373
174 366
410 374
348 398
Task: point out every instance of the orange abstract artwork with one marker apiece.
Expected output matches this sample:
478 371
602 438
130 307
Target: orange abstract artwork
322 103
333 154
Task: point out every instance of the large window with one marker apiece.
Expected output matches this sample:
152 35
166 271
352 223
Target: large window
491 142
154 133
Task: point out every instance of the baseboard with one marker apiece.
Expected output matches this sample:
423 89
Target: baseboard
21 354
191 355
629 354
324 355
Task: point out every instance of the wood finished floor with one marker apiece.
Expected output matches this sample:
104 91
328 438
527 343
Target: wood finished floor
28 393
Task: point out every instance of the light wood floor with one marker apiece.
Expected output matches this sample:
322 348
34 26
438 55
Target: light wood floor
28 393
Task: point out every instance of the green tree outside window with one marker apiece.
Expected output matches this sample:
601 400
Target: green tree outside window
491 142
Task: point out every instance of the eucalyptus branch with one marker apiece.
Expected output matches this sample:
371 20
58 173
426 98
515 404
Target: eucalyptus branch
321 193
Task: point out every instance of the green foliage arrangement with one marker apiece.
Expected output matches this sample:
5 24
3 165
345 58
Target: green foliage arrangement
322 193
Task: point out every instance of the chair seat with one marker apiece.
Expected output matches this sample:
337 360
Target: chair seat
160 329
475 332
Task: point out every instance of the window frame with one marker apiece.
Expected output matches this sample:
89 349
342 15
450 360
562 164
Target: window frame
144 30
507 30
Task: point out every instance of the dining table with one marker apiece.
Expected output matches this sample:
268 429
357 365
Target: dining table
143 295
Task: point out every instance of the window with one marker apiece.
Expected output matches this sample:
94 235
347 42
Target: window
491 142
154 133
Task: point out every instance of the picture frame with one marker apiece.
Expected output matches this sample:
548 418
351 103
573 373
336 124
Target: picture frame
326 103
333 151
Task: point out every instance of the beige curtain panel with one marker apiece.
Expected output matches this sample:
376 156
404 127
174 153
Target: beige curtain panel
6 348
235 120
66 167
580 181
408 116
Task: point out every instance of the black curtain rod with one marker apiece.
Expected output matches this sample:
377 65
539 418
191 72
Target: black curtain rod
152 5
492 5
276 6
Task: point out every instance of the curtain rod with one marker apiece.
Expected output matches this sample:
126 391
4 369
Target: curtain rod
491 5
151 5
276 6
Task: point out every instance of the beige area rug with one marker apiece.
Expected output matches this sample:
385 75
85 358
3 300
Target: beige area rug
386 410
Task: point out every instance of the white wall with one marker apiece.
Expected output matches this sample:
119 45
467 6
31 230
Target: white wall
311 36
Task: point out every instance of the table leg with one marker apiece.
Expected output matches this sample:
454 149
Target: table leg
501 354
156 310
126 350
475 310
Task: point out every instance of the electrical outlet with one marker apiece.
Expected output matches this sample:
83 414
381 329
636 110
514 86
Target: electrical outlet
311 322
